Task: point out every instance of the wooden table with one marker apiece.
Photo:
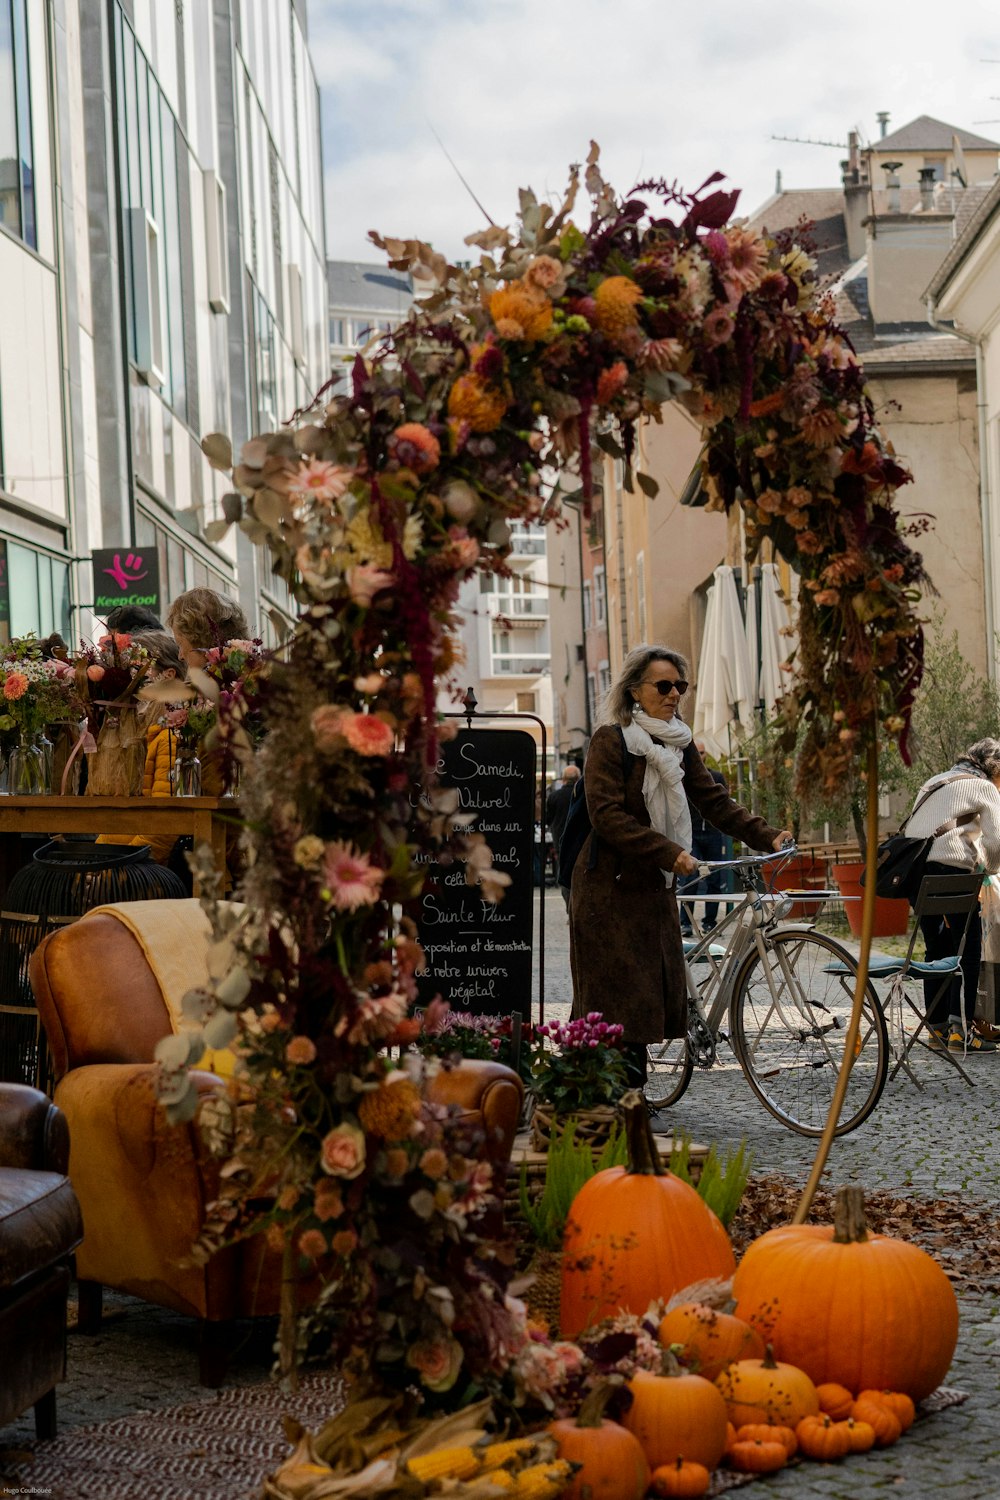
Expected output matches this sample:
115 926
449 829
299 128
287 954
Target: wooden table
204 818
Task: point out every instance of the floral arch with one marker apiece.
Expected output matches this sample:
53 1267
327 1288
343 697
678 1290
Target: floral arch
376 504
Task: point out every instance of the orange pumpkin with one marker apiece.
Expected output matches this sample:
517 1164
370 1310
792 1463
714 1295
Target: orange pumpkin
730 1436
636 1233
898 1402
677 1416
767 1432
612 1463
883 1422
860 1434
764 1390
839 1302
711 1339
682 1477
755 1457
821 1438
835 1400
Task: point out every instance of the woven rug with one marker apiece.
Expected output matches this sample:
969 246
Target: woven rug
220 1449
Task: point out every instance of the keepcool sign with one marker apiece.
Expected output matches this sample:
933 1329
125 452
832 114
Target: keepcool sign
479 954
124 575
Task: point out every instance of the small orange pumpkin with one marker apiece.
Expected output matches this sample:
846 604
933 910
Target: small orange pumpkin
835 1400
898 1402
767 1432
711 1339
635 1233
676 1416
860 1434
682 1477
822 1438
730 1436
755 1457
883 1422
762 1390
612 1463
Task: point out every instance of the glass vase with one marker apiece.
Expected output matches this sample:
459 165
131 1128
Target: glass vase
26 771
187 776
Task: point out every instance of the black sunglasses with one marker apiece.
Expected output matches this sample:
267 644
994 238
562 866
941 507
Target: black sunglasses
663 688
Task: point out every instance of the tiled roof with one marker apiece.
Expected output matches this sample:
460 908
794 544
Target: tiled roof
927 134
367 286
824 208
980 213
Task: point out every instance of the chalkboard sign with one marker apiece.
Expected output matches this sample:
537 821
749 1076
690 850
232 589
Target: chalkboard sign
478 954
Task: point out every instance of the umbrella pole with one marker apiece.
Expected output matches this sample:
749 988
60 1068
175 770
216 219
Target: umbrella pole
853 1030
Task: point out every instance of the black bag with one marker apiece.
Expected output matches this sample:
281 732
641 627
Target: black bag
900 862
578 827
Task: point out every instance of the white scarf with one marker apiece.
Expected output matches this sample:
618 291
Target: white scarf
662 743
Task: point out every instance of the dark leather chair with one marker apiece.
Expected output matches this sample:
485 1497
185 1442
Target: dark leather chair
103 1013
40 1226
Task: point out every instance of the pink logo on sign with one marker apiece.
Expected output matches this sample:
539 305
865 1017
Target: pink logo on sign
118 573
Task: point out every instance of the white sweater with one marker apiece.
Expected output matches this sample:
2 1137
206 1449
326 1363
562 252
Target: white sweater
974 845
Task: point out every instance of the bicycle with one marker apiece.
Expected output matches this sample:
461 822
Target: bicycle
789 993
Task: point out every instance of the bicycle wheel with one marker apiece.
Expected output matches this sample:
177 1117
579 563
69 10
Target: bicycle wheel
669 1066
789 1017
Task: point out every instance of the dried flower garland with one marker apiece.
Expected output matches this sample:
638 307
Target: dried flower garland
375 509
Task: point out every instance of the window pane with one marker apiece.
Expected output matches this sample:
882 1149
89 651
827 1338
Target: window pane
61 600
145 168
27 165
46 618
10 197
172 260
23 567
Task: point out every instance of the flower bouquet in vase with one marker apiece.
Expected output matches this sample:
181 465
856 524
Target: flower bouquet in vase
231 677
188 725
109 676
578 1069
35 693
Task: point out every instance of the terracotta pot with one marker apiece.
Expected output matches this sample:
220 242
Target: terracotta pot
803 873
891 917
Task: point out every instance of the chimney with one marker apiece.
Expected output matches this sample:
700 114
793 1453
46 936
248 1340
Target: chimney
855 197
883 123
891 170
777 182
927 189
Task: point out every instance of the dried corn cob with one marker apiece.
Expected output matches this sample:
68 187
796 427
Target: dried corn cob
444 1463
498 1454
543 1481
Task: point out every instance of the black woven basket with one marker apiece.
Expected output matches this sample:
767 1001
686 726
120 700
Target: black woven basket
65 880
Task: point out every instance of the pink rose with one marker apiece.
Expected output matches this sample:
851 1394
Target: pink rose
95 672
342 1152
438 1362
367 734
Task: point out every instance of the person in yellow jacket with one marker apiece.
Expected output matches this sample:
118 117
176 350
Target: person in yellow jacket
161 742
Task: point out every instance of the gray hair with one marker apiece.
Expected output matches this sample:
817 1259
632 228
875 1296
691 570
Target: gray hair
985 756
617 706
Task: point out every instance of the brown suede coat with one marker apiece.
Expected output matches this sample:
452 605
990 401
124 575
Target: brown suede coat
625 938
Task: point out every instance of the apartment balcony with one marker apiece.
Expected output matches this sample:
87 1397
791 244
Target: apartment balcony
511 665
526 542
519 609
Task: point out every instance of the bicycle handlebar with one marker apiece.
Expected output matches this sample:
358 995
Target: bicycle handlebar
708 865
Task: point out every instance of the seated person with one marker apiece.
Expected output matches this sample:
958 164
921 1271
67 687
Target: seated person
201 619
132 619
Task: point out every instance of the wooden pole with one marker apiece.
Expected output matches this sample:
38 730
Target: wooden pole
854 1029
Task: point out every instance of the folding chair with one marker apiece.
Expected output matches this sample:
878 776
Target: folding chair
939 895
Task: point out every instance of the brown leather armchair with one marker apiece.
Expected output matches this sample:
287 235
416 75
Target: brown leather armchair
143 1184
39 1228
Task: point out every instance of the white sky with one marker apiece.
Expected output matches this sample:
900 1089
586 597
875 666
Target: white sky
516 89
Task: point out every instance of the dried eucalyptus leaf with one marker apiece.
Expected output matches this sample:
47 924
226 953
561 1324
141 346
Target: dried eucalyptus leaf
218 450
214 531
232 506
206 685
234 989
221 957
220 1029
173 1053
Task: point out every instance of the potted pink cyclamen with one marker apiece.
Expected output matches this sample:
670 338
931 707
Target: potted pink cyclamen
578 1071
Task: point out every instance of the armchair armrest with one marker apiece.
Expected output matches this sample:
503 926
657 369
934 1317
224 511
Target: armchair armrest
489 1089
33 1132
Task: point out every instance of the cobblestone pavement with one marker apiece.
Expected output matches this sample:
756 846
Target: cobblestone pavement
938 1140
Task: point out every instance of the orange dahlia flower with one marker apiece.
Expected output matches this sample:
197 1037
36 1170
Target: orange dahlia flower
472 400
521 312
390 1110
615 301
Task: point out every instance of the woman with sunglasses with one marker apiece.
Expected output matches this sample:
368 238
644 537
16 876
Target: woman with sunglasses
642 768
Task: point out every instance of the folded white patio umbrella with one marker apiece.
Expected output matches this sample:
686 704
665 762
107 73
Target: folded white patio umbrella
725 709
772 648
